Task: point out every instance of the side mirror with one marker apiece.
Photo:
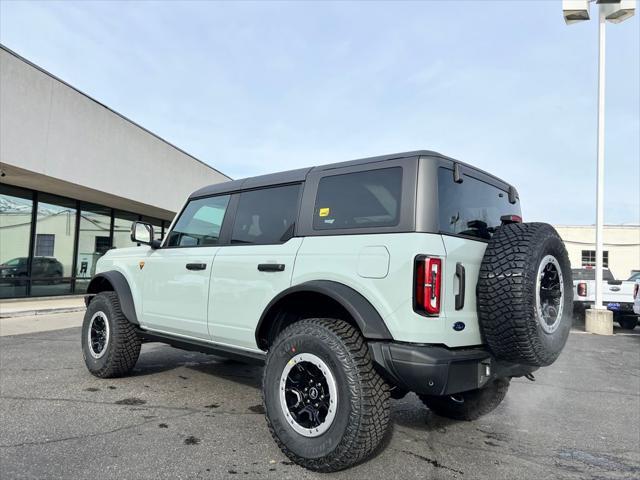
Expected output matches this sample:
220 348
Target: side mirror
142 232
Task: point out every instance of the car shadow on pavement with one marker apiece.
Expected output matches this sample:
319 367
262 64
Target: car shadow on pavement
157 358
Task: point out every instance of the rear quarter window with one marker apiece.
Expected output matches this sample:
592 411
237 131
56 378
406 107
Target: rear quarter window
364 199
472 208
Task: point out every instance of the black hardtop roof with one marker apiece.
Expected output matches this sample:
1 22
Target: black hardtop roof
300 174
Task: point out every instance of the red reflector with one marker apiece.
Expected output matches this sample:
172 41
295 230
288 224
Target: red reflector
582 289
427 285
505 219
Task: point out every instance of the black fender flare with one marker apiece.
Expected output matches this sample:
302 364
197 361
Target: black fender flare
121 286
363 313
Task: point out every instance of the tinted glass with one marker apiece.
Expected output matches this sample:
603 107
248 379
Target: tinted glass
266 216
55 238
590 274
122 229
200 223
472 207
93 242
15 229
359 200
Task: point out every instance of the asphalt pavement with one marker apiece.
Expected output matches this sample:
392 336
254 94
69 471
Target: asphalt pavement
189 415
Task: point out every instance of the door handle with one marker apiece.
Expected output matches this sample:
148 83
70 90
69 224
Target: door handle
460 273
196 266
271 267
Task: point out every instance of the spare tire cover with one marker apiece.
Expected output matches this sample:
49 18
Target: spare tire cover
525 294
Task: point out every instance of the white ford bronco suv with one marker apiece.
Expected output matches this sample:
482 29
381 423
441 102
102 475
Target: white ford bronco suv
353 283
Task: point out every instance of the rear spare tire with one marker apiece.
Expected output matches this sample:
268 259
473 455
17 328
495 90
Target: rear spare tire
524 295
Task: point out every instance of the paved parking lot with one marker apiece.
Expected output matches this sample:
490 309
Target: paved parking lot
188 415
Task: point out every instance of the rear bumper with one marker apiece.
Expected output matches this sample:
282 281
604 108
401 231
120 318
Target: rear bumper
437 370
622 307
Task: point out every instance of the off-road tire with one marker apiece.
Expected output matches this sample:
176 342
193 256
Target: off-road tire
362 414
627 322
507 291
123 345
471 405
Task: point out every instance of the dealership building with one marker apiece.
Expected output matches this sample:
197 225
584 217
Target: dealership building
74 174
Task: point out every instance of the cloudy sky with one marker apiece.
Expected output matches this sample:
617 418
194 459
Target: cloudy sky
252 88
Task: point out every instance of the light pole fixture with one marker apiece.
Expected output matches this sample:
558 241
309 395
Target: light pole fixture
614 11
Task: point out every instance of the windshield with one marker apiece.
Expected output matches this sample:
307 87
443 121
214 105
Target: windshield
590 274
472 207
15 262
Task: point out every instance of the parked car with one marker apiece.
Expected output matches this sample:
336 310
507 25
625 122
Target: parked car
636 298
617 295
42 267
353 283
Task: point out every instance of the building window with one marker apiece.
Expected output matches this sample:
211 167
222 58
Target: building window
93 242
52 263
44 244
16 207
589 258
103 244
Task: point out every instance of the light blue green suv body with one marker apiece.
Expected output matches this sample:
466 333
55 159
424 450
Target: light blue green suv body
389 249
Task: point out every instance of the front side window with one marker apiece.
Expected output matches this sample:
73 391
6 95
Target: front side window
473 207
359 200
200 223
266 216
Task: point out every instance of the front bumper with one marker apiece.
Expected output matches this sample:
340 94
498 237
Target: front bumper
437 370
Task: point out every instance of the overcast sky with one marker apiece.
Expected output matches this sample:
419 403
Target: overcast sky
253 88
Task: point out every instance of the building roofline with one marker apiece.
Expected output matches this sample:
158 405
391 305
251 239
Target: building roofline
58 79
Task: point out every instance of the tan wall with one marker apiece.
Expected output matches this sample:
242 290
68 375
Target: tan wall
621 241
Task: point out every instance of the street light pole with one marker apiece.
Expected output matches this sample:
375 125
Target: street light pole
599 320
600 161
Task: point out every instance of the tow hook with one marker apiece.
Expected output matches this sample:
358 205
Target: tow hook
529 376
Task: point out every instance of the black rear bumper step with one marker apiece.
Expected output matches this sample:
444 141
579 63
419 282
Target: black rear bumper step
438 370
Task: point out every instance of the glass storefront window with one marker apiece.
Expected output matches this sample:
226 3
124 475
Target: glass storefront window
15 231
54 250
122 229
94 239
157 226
52 263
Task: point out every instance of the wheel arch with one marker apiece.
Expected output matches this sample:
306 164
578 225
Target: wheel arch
317 298
114 281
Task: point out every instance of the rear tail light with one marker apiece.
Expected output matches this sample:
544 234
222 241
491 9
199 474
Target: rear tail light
427 285
582 289
636 289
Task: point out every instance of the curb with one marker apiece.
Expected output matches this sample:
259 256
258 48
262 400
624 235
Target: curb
44 311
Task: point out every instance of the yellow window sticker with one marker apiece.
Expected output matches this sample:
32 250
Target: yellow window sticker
324 212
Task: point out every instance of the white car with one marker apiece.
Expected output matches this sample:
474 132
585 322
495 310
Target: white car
636 298
617 295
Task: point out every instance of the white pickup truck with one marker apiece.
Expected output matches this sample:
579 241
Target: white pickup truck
617 295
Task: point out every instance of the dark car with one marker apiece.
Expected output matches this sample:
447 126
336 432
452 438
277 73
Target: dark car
47 267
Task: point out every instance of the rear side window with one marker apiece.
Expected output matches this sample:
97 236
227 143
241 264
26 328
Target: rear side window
359 200
200 223
266 216
473 207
